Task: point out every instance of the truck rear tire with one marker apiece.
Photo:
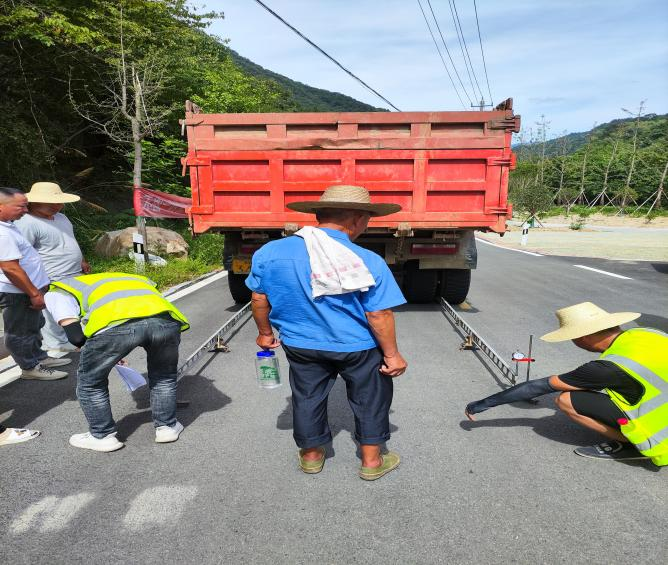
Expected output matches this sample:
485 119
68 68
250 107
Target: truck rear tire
420 286
238 289
455 284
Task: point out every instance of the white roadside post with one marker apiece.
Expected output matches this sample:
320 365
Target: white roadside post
138 249
525 234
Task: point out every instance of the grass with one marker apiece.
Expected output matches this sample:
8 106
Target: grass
586 211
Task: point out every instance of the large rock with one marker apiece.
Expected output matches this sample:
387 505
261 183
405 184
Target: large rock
160 242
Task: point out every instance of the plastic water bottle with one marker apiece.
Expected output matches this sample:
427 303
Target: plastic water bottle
267 369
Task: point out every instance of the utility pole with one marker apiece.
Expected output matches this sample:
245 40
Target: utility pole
481 105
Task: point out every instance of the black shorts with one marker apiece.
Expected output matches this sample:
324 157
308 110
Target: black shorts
597 406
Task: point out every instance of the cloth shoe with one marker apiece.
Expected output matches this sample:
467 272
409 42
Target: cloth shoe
312 467
53 362
17 435
389 462
42 373
167 434
611 450
88 441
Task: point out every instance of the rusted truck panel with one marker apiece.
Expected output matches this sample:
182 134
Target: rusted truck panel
448 171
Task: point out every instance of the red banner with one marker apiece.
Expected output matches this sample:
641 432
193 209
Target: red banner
156 204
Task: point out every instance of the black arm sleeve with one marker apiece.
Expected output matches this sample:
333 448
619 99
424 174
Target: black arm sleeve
522 391
75 334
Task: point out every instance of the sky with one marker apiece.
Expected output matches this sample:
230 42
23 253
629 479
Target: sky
577 62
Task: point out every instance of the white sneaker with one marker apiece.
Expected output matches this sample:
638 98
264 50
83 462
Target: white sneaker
167 434
42 373
53 362
88 441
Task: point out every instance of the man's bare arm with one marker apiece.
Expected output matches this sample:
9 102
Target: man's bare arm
381 323
261 309
18 277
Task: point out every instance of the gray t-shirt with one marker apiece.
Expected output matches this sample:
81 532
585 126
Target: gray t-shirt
54 241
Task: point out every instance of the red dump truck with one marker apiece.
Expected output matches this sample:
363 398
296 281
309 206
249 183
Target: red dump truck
447 170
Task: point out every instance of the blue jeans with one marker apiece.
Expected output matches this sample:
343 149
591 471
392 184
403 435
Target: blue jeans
160 337
22 325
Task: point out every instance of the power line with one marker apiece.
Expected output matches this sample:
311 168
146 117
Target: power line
463 47
440 54
438 27
300 34
484 65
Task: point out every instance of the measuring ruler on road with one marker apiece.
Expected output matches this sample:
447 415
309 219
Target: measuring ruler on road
473 341
216 342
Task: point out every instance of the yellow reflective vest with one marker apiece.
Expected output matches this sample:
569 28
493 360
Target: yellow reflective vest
107 299
643 354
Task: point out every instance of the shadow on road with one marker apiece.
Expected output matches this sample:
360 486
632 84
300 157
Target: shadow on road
653 321
339 414
200 392
31 399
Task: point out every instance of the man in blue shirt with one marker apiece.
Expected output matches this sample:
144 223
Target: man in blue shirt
343 332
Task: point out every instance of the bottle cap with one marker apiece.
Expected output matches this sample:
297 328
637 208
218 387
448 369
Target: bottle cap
622 421
265 354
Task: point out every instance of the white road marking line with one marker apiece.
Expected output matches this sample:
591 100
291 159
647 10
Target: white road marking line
604 272
196 286
158 506
54 513
507 248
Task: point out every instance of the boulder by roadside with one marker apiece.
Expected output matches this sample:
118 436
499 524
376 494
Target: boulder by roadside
161 242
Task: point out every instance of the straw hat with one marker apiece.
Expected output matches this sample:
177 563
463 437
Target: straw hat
49 193
345 197
586 319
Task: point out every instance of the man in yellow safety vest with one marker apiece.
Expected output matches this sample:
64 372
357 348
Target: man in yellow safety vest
632 370
120 312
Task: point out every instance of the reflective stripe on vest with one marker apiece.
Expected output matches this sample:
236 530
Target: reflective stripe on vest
643 355
650 376
115 296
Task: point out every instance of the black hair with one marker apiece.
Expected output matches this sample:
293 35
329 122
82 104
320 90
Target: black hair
9 191
335 214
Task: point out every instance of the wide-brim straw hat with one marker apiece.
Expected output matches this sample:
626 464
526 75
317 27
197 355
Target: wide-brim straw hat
345 197
586 319
50 193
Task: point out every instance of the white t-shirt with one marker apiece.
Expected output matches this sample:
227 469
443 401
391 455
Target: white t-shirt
62 305
14 246
55 242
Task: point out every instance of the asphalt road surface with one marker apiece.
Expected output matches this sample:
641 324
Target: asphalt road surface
506 489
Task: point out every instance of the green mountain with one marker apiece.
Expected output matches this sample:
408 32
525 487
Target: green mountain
652 127
624 158
306 98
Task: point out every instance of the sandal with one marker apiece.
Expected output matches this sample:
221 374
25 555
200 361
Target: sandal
17 435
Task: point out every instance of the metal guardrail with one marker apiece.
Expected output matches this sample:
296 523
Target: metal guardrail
215 342
474 341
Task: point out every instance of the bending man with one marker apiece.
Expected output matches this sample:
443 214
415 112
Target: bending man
632 370
120 312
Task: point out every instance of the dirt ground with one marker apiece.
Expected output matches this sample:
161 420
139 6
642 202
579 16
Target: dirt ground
627 238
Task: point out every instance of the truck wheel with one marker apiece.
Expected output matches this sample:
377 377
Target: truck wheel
455 284
420 286
238 289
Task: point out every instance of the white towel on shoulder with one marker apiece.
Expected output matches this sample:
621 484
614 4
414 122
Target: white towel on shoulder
335 269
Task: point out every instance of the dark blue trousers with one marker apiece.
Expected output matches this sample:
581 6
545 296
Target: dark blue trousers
312 375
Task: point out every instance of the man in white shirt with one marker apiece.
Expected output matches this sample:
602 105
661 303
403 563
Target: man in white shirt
51 234
23 281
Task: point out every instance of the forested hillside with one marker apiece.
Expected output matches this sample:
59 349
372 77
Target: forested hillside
72 70
306 98
620 164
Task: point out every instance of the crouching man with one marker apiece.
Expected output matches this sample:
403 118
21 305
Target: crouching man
119 312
